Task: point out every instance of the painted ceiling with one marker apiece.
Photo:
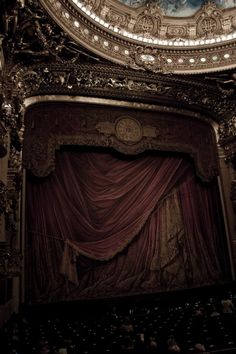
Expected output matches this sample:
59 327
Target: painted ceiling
179 8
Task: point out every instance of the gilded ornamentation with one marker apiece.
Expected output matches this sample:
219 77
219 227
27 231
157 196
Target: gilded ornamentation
10 261
209 21
93 4
227 129
114 30
227 134
176 31
148 58
116 18
128 130
149 20
233 21
36 38
104 80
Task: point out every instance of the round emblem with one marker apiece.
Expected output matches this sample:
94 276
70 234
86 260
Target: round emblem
128 130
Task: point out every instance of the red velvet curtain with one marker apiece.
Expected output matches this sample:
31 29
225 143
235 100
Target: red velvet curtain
104 226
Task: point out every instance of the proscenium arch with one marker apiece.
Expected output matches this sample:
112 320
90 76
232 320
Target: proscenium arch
111 141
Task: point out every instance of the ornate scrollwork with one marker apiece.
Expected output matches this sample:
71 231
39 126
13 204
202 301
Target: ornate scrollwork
227 139
105 81
184 42
10 261
148 58
37 37
116 18
148 21
209 21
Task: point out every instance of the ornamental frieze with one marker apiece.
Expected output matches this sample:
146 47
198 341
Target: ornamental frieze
201 43
177 31
116 18
99 80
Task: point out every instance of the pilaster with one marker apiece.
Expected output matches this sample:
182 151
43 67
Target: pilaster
227 140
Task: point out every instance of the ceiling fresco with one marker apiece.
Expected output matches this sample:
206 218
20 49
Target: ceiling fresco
179 8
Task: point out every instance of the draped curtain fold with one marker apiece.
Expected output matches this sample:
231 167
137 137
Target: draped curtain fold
114 225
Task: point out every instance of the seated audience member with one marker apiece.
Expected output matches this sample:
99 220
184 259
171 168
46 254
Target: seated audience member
172 345
127 326
199 348
151 344
227 305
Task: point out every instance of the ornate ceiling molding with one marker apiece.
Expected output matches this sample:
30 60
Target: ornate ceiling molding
41 59
145 39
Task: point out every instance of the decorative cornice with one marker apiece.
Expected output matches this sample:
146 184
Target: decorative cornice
114 82
203 43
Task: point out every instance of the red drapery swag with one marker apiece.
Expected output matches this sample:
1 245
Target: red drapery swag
114 225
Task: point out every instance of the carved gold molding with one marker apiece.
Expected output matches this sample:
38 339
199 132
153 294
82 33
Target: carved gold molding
202 43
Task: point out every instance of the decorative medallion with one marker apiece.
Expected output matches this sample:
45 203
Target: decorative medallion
209 21
129 130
